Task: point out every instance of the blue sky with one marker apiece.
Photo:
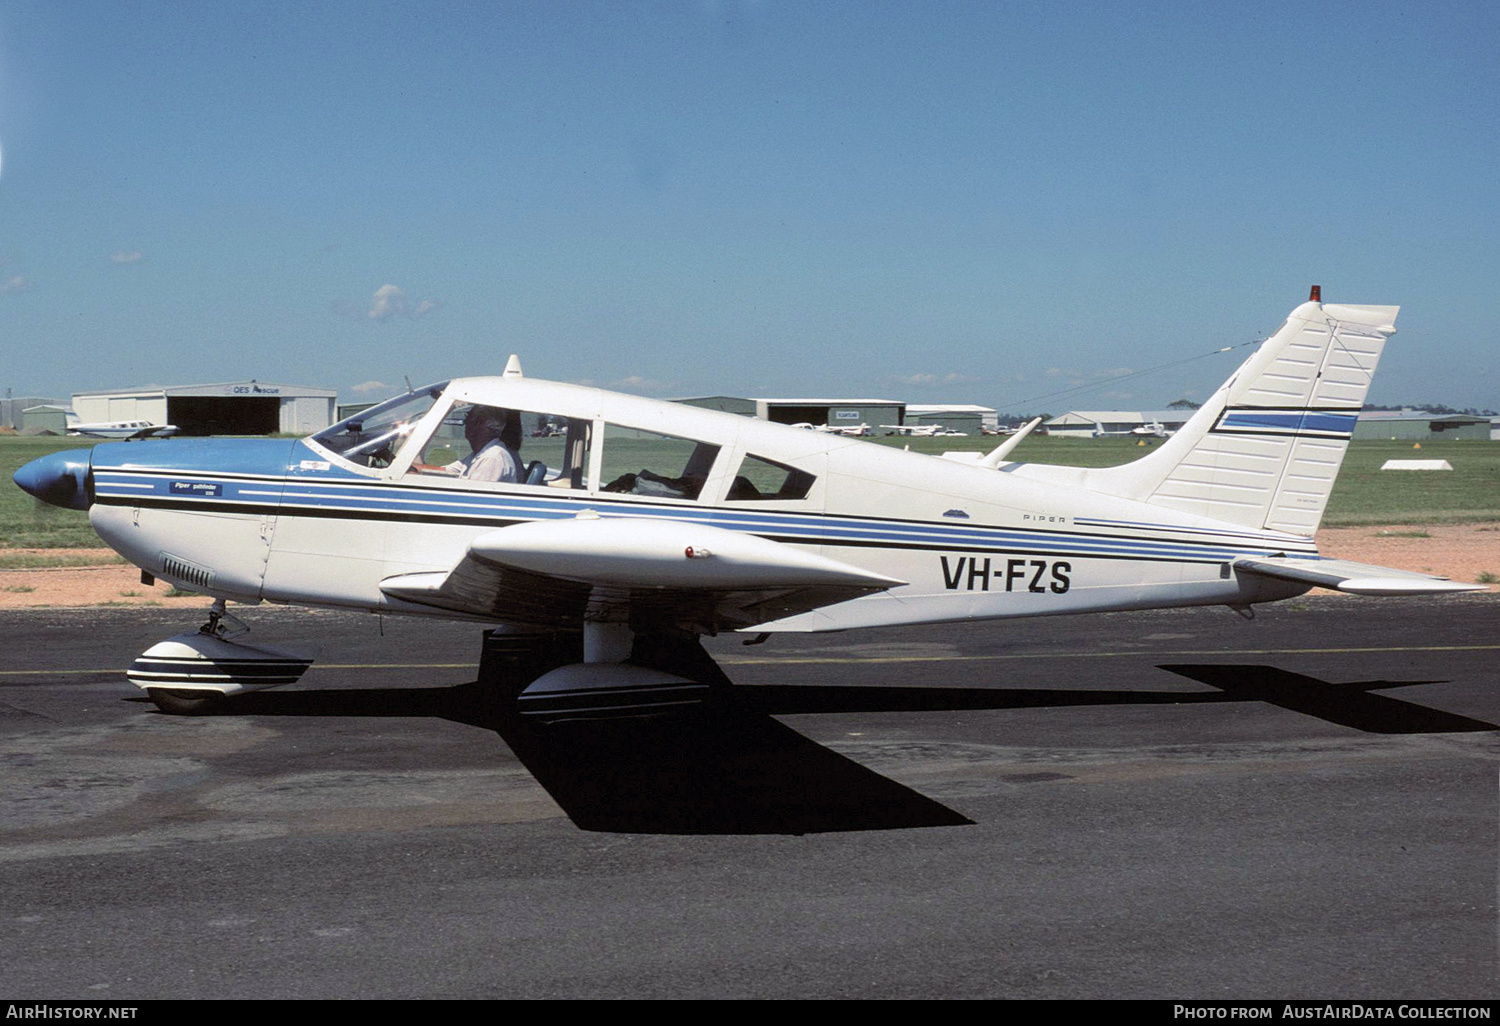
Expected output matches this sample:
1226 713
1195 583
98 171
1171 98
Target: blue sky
977 202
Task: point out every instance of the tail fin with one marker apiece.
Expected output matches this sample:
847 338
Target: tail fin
1264 451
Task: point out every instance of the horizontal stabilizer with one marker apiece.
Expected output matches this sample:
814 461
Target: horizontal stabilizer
1354 578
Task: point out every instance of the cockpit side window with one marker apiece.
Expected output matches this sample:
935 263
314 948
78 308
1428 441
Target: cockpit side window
507 446
373 437
760 479
640 462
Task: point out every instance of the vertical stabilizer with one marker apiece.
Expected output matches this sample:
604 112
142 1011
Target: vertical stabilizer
1264 451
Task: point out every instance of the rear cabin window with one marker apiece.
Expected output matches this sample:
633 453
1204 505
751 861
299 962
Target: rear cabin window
760 479
637 462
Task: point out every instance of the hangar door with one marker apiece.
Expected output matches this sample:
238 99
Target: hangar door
797 415
219 415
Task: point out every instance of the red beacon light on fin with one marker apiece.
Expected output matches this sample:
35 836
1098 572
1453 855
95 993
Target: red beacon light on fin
1316 296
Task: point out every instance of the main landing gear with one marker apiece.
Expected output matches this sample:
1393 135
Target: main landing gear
603 672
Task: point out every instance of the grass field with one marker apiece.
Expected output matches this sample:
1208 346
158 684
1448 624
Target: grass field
26 523
1364 493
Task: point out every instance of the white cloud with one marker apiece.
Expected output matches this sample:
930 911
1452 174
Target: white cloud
366 387
390 301
636 383
16 284
925 380
123 257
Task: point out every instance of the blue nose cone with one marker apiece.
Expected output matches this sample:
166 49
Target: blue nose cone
59 478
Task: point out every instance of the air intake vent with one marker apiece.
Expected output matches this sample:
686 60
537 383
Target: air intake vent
188 573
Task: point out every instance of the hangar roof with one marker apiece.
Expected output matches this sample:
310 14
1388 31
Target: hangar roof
228 389
948 408
831 402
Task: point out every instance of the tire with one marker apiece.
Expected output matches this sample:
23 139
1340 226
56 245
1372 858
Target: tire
186 702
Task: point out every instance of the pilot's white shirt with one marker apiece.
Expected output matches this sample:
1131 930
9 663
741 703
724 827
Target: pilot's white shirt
492 463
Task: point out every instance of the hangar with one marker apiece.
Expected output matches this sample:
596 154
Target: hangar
13 409
228 408
45 419
1420 425
1109 423
841 413
965 417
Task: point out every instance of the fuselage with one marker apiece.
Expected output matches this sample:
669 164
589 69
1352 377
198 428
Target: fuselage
323 521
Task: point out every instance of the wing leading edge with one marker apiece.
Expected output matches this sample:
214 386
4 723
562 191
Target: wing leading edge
651 573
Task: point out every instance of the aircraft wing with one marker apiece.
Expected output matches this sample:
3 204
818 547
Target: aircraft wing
1354 578
664 572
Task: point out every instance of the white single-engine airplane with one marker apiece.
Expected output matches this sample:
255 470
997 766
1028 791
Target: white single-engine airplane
620 529
124 429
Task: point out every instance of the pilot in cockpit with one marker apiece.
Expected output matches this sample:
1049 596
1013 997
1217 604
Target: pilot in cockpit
494 435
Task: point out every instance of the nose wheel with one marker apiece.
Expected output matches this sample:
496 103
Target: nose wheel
196 701
196 674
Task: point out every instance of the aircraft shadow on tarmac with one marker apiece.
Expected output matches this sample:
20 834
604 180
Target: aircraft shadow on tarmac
727 766
1348 705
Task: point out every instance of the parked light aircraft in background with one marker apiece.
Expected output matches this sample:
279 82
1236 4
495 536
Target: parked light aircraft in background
124 429
1155 429
636 525
848 430
927 431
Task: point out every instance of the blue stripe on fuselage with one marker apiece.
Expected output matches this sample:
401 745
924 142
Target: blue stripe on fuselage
358 498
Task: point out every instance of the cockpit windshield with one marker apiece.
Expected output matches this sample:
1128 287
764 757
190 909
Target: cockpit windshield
373 437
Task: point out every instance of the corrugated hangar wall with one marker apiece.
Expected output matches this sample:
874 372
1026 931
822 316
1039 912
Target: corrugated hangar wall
102 408
304 414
